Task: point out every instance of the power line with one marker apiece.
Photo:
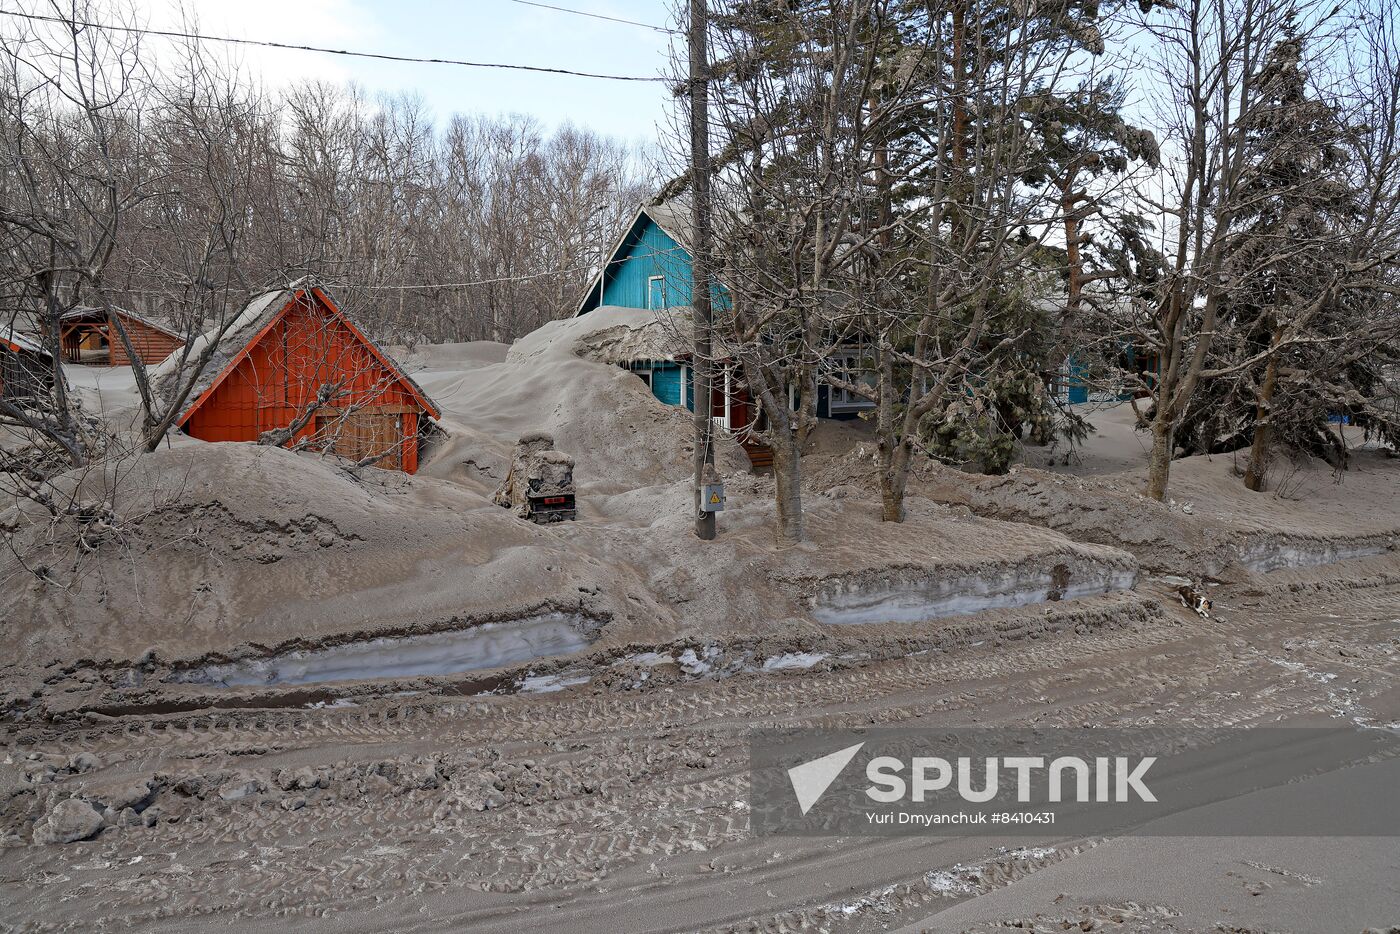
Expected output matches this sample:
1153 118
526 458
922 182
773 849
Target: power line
522 278
311 48
611 19
342 283
460 285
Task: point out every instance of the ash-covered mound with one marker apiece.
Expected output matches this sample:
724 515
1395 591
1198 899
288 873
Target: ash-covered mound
564 379
1209 521
220 545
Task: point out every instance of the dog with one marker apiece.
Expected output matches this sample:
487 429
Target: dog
1193 597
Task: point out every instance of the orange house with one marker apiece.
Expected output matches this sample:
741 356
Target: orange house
293 360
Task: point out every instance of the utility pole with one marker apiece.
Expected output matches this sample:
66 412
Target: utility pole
700 272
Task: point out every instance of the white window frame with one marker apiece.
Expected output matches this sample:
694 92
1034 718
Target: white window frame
661 291
723 422
846 363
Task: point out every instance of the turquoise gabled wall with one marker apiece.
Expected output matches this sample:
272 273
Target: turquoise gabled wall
650 251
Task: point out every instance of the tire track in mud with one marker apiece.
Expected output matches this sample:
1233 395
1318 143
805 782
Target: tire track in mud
741 700
916 892
360 851
519 719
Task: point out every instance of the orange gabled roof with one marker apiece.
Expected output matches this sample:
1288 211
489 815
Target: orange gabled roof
266 318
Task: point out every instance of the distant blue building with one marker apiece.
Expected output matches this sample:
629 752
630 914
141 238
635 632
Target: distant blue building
650 269
1079 386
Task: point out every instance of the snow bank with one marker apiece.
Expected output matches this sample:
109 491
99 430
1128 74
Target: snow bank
915 595
488 645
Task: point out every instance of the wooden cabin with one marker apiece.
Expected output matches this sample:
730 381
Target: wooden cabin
26 368
649 269
292 358
89 335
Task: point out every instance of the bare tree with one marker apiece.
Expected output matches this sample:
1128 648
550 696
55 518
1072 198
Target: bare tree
789 105
1215 52
69 131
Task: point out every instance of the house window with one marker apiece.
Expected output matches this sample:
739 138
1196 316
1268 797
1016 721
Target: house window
656 293
644 371
849 367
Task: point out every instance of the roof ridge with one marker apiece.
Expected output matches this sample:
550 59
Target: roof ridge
261 311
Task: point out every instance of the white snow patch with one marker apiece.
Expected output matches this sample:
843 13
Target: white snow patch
548 684
966 879
1321 677
695 664
1027 852
960 880
878 900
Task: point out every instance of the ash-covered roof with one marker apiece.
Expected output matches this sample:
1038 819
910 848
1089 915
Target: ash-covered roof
673 217
77 314
18 341
621 335
232 341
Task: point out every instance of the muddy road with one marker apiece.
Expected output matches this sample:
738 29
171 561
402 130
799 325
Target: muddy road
620 804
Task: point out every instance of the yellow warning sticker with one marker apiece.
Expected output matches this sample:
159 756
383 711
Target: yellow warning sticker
714 499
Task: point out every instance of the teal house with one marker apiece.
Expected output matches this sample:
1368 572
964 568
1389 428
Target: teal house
650 266
649 269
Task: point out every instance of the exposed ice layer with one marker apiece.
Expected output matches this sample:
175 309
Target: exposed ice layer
548 684
1278 554
916 599
793 660
488 645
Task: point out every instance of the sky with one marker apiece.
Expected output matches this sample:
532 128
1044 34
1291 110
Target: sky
475 30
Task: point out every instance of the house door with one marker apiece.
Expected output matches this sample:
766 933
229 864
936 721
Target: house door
362 435
656 293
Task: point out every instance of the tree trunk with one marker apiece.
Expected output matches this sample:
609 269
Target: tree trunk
787 474
65 430
1074 286
1160 464
894 478
1262 447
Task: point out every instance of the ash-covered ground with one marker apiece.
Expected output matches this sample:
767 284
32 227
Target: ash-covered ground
287 693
